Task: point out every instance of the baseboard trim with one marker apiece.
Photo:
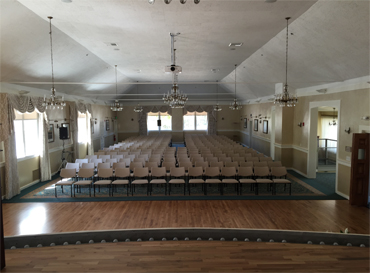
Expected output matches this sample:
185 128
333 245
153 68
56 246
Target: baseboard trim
342 194
293 169
30 184
344 163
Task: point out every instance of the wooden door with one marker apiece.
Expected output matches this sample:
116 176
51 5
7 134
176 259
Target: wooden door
360 169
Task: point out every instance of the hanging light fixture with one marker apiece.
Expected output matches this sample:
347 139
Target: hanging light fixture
334 121
235 105
217 108
116 106
174 98
53 102
138 108
285 99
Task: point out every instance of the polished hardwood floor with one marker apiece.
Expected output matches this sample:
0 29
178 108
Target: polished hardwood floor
189 256
306 215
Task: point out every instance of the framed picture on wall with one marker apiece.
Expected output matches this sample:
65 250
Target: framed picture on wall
51 133
66 125
107 125
92 126
245 122
255 125
265 126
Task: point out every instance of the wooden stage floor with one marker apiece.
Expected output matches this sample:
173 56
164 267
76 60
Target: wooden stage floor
187 256
304 215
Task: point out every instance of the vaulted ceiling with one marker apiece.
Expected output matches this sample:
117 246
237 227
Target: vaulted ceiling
328 42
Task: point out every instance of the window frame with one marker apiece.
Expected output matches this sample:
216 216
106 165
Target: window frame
19 159
195 122
159 127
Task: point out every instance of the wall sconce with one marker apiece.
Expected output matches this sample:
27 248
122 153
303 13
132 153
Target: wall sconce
251 115
348 131
300 124
56 121
95 120
365 118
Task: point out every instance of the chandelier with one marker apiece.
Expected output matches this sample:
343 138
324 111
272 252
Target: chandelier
53 101
169 1
235 105
286 99
334 121
138 108
116 106
174 98
217 108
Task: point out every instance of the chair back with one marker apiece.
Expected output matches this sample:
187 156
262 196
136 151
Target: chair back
124 153
201 164
278 171
268 159
232 164
168 165
68 173
246 164
111 153
177 172
261 171
96 161
80 161
142 160
122 172
141 172
217 164
274 164
119 165
135 165
158 171
260 164
104 157
86 173
245 172
254 159
88 166
195 171
103 166
89 157
151 164
117 156
228 171
127 161
73 166
239 158
186 165
105 173
111 161
131 157
212 171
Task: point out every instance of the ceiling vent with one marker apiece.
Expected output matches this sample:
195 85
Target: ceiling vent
113 44
322 91
235 44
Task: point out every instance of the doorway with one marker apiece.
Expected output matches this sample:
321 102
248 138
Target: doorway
250 131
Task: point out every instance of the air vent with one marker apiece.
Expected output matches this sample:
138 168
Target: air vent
235 44
113 44
322 91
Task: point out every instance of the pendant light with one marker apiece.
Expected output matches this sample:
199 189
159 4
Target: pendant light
116 106
217 108
138 108
235 105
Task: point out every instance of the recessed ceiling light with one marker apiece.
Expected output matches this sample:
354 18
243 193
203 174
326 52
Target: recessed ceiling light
116 49
235 44
233 48
113 44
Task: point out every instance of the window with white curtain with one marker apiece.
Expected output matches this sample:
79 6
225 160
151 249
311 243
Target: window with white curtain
194 121
166 121
328 131
26 128
82 128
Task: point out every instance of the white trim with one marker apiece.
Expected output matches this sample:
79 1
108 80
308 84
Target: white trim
26 158
293 169
244 132
228 130
55 149
261 138
290 146
123 132
342 194
30 184
344 162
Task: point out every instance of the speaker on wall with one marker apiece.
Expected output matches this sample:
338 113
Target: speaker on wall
159 123
63 133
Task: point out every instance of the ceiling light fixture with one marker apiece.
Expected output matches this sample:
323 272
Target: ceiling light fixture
217 108
167 1
151 2
138 108
334 121
116 106
182 1
174 98
235 105
53 102
196 2
285 99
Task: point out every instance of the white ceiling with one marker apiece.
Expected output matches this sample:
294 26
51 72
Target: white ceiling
330 43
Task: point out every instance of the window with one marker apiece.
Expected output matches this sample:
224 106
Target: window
166 121
82 128
26 128
196 121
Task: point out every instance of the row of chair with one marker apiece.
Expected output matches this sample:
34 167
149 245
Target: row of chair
158 175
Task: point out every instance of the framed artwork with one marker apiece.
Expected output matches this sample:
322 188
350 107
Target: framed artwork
92 126
107 125
265 126
51 133
68 130
245 122
256 125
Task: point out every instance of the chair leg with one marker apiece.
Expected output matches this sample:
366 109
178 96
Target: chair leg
94 190
290 189
71 190
169 189
184 188
90 190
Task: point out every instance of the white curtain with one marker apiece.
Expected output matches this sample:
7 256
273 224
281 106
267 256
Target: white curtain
73 114
45 168
90 143
143 130
212 129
